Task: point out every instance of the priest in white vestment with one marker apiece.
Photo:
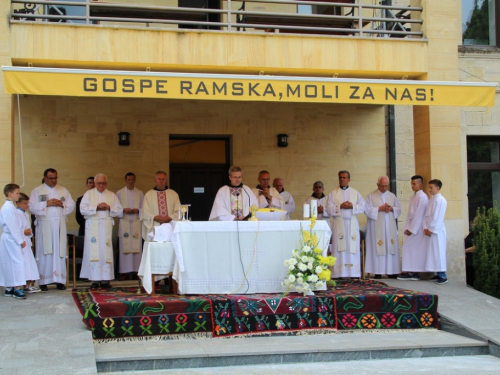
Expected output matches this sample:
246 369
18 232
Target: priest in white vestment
161 205
130 231
234 200
319 196
382 208
344 204
51 203
435 232
267 196
279 185
99 206
414 251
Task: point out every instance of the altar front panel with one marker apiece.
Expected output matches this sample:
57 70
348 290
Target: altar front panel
237 257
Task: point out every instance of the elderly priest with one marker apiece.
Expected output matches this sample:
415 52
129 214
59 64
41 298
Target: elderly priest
99 206
382 208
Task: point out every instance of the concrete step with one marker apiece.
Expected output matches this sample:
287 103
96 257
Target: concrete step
463 365
278 350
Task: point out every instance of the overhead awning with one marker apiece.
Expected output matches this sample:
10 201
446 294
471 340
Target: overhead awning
195 86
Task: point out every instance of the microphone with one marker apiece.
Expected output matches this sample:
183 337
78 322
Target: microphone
249 201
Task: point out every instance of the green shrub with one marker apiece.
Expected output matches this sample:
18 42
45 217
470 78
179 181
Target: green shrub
486 242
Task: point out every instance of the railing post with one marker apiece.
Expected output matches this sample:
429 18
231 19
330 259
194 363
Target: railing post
360 18
228 15
87 12
386 14
45 12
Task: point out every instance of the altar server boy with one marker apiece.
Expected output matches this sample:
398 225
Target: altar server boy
435 232
30 266
12 273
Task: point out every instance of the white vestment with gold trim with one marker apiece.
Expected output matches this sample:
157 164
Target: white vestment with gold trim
98 266
130 230
381 243
348 262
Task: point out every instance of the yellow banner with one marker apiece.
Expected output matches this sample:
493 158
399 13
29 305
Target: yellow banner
95 83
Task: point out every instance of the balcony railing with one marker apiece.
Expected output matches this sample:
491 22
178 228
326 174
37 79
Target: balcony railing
325 17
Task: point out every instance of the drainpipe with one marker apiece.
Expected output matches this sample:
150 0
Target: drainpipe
392 147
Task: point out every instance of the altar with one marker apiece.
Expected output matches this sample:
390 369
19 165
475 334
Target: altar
231 257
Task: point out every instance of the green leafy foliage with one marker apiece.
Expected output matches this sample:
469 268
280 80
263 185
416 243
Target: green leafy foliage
477 28
486 242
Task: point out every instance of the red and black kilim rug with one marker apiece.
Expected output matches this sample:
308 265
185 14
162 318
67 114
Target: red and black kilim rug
123 313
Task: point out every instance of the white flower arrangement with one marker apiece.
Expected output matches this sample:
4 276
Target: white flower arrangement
308 270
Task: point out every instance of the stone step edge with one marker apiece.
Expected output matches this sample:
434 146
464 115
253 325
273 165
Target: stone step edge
162 347
286 358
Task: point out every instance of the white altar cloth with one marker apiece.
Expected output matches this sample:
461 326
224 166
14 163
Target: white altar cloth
214 256
158 258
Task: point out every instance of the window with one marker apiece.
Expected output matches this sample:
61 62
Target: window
480 25
65 10
483 173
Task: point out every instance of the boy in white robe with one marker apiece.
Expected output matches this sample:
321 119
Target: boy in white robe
414 251
435 232
233 201
30 266
382 245
99 206
12 274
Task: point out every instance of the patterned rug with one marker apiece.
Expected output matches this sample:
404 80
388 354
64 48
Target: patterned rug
374 305
122 313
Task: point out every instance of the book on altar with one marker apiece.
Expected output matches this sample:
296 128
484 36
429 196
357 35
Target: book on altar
270 214
162 233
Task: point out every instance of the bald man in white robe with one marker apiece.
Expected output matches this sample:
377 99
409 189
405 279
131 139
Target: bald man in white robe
99 206
382 208
267 196
161 205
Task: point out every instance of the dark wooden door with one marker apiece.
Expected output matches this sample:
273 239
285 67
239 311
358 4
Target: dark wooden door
197 185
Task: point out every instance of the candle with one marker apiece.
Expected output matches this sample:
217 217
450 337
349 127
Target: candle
306 211
314 208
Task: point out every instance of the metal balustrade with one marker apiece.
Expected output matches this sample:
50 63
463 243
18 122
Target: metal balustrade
345 17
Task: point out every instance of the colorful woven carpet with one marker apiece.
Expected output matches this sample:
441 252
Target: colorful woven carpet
123 313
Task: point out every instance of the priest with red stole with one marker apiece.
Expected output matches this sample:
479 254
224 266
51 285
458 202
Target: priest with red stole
161 205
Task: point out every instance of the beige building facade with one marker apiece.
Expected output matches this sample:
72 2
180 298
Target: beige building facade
78 136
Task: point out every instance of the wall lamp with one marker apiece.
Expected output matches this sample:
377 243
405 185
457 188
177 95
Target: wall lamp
124 139
282 140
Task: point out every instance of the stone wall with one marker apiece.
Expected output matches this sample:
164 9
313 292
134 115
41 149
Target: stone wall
79 138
